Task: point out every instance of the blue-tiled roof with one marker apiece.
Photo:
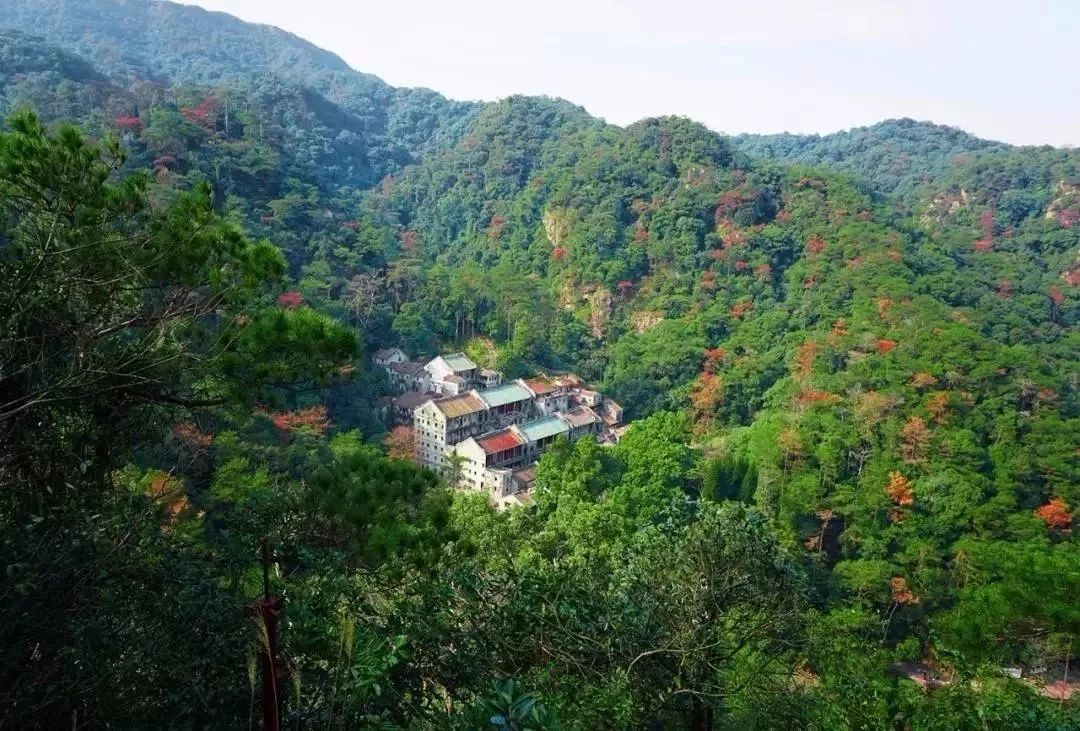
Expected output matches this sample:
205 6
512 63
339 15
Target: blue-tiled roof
506 394
552 426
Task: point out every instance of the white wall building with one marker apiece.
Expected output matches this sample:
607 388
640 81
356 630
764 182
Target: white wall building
458 365
490 462
440 424
383 358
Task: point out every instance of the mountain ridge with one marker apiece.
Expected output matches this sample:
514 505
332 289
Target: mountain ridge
24 15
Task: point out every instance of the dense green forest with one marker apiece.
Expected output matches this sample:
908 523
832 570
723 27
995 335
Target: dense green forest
846 501
896 156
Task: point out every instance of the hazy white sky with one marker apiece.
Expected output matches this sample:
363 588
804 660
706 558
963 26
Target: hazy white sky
1003 70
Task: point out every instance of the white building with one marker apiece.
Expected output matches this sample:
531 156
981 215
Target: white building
500 429
383 358
440 424
453 385
402 407
441 368
494 462
552 396
488 462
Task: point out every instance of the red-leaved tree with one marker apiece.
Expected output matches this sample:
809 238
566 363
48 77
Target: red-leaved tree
1055 514
401 443
290 300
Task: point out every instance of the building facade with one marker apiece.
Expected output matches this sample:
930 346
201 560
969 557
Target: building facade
494 429
440 424
403 407
452 374
510 403
383 358
495 462
409 375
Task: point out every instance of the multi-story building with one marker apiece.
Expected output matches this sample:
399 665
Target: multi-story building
488 378
611 412
409 375
441 423
498 429
403 406
542 433
444 375
493 462
487 462
510 403
552 396
583 421
452 374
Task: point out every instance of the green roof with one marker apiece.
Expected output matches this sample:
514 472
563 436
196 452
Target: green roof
506 394
459 362
552 426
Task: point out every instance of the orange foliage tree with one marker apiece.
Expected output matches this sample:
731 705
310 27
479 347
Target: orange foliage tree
815 245
290 300
401 443
914 438
885 346
739 309
189 434
838 330
899 489
495 228
1055 514
706 394
809 396
922 380
713 358
313 418
883 305
169 492
938 406
804 359
986 223
901 594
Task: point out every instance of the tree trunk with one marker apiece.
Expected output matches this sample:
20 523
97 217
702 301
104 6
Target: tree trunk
701 716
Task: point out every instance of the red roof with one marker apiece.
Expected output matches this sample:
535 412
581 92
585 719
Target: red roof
500 441
540 386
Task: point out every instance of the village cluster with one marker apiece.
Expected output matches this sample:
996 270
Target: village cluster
484 433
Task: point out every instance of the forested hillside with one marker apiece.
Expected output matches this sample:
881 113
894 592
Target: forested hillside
151 47
847 500
895 156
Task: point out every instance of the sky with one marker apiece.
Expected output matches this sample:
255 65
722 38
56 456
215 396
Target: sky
1004 70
